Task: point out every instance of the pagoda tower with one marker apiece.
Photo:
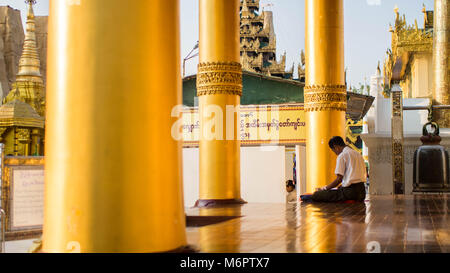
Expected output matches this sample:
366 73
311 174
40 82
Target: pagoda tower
21 115
258 42
29 85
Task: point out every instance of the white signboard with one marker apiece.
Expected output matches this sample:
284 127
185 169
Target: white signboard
28 198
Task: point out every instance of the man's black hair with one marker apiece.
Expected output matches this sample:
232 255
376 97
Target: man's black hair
290 183
336 141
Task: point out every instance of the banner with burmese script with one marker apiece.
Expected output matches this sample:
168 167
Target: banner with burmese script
282 124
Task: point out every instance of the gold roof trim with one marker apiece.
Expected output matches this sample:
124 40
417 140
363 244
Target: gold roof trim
19 114
406 40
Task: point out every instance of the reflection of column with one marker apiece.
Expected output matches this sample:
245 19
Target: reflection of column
325 90
219 84
291 227
113 170
319 235
441 60
225 238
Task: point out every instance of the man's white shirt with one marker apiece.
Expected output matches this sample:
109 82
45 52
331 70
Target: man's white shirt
350 164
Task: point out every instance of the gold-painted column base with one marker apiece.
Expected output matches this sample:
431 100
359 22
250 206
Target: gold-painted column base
203 203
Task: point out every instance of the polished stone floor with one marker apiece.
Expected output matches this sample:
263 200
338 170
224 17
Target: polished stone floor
409 224
387 224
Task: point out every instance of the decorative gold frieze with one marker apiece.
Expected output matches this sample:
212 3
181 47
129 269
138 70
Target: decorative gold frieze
406 40
325 98
219 78
398 173
23 135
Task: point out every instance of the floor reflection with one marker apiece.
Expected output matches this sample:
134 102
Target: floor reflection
291 227
224 237
382 224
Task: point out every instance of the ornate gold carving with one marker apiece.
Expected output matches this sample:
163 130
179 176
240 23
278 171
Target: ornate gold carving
398 166
325 97
406 39
219 78
397 141
396 104
2 131
23 135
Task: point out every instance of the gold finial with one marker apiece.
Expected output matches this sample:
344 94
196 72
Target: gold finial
29 63
396 12
378 69
390 28
425 16
30 4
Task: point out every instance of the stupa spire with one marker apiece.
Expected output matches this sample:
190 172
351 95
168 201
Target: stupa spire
29 64
29 85
245 11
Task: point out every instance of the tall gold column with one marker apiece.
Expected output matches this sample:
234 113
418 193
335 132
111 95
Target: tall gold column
325 90
113 171
219 86
441 60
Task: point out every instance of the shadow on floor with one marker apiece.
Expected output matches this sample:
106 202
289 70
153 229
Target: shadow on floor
201 221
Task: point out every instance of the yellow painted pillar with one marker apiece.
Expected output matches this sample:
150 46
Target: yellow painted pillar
325 90
219 87
441 61
113 170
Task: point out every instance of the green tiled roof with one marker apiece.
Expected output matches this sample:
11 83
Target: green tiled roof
257 89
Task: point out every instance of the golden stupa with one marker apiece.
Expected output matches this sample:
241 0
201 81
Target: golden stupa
21 115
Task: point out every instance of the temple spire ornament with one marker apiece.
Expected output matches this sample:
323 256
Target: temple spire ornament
21 115
245 11
258 41
29 85
29 64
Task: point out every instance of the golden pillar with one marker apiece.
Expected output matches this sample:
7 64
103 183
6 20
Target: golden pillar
219 88
325 90
441 60
113 171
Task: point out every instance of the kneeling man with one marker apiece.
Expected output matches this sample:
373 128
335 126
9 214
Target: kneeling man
350 171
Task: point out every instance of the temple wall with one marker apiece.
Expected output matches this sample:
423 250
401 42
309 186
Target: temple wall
378 137
380 160
263 174
412 120
289 166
